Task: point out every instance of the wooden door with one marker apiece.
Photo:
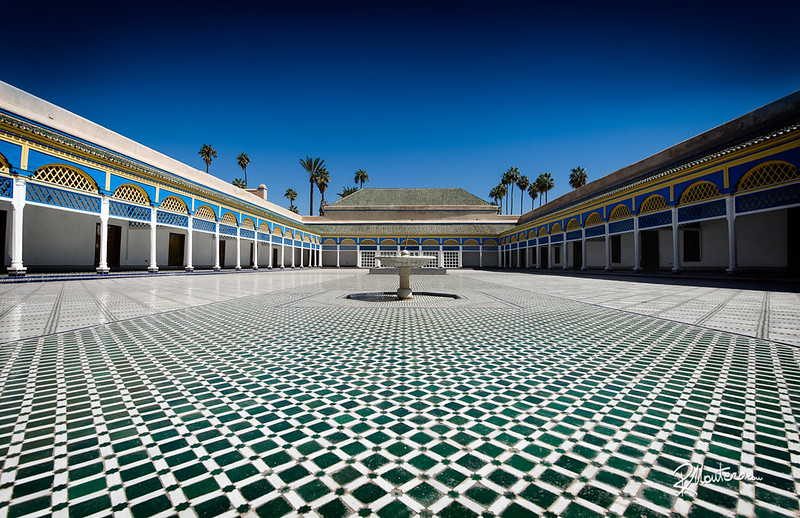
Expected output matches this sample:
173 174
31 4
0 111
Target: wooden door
176 244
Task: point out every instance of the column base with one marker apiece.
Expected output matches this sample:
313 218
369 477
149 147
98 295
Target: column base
675 270
102 271
583 268
17 271
152 269
238 268
189 269
283 267
608 268
255 268
732 270
637 269
217 268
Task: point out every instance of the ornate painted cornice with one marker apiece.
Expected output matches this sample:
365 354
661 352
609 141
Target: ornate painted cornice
123 163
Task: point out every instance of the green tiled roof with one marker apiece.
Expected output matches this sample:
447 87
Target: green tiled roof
466 229
410 197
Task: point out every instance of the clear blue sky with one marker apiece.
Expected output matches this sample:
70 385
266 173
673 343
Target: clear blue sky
420 94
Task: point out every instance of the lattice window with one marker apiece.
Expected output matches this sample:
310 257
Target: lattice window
700 191
264 227
770 173
307 239
620 212
170 218
229 219
654 203
174 204
132 193
368 258
205 212
276 231
433 263
514 239
450 259
248 224
593 219
542 231
573 224
556 229
66 176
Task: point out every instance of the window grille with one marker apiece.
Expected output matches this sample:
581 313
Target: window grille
700 191
205 212
368 259
573 224
653 204
593 219
173 204
450 259
770 173
229 219
66 176
620 212
132 193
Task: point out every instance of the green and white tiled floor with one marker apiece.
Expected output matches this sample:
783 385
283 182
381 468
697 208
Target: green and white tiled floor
275 395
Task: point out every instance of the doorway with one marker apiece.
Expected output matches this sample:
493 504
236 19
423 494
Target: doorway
113 246
252 255
222 253
176 247
649 242
275 258
577 255
793 244
544 262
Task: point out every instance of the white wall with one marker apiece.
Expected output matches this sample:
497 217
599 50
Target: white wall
55 237
713 246
347 258
761 240
595 253
665 254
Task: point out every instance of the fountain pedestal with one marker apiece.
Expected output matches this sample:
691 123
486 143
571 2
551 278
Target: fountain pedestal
404 262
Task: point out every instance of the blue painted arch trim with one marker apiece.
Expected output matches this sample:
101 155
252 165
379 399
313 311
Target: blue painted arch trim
37 159
165 193
663 192
735 173
116 181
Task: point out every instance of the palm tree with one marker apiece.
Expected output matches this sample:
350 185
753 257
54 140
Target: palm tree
207 153
502 190
312 167
533 192
238 182
522 183
347 191
494 194
510 177
323 179
544 183
291 195
243 160
361 177
577 178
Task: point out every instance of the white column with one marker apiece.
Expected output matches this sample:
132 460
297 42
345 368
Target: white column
283 250
500 256
441 257
358 256
676 256
550 253
730 212
17 269
519 255
102 266
255 250
566 253
319 255
269 264
338 247
460 256
238 249
216 247
292 252
189 245
637 252
480 256
583 250
608 249
153 227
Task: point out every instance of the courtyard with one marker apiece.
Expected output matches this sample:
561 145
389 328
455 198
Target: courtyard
271 394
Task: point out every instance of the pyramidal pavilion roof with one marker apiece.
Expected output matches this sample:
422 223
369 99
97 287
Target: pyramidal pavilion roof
423 197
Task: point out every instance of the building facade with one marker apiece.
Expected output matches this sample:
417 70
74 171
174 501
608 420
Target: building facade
75 196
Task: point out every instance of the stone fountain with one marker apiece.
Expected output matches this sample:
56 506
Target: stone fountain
404 262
